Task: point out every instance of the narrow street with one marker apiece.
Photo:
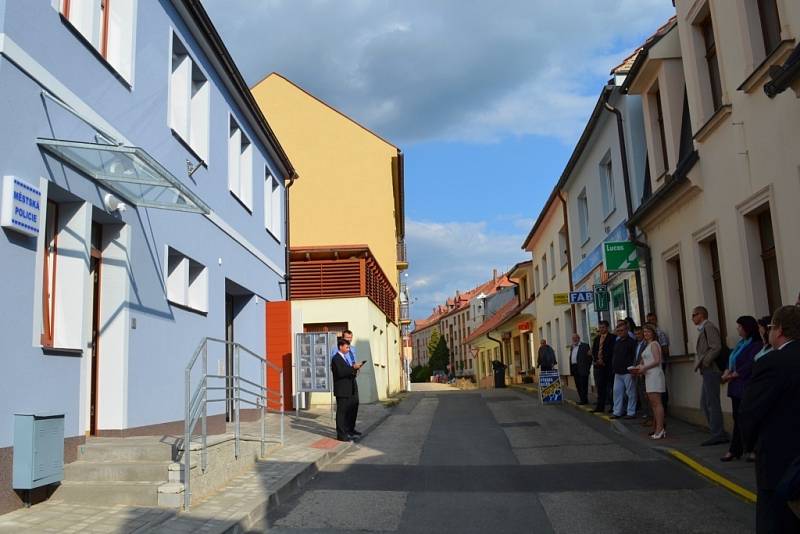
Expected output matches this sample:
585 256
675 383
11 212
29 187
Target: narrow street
498 461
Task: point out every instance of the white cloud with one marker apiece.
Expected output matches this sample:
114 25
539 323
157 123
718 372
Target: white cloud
450 256
447 70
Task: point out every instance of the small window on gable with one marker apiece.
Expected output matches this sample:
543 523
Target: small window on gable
240 165
187 281
108 26
273 206
188 100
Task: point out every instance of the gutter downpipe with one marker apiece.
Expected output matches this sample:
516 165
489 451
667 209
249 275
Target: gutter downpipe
569 257
288 277
629 202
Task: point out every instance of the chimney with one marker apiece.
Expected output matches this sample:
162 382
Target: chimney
494 275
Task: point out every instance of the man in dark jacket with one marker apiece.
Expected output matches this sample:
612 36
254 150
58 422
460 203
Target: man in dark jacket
546 358
770 419
602 351
624 385
580 363
344 388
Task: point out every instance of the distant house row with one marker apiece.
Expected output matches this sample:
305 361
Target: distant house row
690 157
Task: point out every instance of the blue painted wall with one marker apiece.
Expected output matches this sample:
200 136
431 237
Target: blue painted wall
165 335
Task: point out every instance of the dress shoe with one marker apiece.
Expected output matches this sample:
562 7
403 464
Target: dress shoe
714 441
352 437
344 438
659 435
729 457
629 417
355 433
614 416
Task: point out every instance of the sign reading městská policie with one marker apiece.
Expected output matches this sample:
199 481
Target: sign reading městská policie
21 206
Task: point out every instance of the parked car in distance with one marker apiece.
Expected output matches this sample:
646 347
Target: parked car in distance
440 377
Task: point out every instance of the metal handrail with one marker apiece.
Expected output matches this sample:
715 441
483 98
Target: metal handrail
197 401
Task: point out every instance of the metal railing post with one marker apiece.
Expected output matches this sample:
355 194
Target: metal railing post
280 377
187 438
204 452
236 400
264 408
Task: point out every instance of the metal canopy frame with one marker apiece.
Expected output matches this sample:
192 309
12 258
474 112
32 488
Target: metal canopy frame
141 171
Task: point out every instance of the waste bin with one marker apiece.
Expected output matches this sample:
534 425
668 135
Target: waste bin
499 374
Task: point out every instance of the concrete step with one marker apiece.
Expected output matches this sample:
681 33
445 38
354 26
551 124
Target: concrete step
176 470
107 493
170 495
121 451
110 470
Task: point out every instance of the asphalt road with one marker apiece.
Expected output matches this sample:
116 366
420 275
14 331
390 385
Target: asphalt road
497 461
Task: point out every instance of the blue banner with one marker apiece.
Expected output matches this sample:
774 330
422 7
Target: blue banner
550 387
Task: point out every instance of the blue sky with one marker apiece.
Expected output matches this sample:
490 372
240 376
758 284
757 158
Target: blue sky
485 98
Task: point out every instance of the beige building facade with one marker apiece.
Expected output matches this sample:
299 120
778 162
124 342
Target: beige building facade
721 223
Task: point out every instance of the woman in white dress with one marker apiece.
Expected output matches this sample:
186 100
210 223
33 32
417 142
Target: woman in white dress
654 380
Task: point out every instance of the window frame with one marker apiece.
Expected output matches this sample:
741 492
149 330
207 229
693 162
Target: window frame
244 160
764 29
583 217
709 40
199 148
49 275
606 171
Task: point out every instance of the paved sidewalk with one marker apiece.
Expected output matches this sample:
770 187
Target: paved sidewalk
684 438
241 506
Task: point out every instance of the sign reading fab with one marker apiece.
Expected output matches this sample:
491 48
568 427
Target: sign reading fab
21 206
581 297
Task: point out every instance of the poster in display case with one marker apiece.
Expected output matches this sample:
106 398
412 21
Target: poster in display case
312 360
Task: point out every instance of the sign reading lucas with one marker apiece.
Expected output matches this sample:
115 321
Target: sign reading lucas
21 206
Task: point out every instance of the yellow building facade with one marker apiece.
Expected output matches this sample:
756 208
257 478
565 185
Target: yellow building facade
345 207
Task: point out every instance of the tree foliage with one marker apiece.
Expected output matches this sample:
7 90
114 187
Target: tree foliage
439 356
421 373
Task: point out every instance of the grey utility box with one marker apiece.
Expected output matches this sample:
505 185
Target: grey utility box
38 450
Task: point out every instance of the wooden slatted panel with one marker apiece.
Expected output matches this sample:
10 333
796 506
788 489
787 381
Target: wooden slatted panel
325 278
380 290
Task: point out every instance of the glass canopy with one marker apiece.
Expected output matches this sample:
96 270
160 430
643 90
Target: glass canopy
128 171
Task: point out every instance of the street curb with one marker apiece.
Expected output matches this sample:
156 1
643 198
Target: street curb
256 519
746 494
699 468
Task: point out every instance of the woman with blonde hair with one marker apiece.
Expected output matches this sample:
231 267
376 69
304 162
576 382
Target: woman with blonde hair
654 381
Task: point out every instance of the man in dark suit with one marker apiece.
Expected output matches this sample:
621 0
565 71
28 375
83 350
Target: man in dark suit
602 351
580 363
353 413
344 388
770 419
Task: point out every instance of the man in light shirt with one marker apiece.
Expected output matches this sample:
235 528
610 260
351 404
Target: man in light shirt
580 363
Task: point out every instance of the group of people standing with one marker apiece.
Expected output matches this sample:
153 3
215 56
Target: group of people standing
762 373
628 368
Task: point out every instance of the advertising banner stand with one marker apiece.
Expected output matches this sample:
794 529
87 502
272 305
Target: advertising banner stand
313 363
550 391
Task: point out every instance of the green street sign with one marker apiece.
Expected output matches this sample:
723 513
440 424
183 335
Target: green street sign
601 300
620 256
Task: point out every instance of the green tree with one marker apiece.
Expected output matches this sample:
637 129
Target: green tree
433 341
421 373
440 356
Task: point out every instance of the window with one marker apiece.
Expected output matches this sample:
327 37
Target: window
661 131
273 206
108 26
770 25
536 280
187 281
188 100
552 260
712 274
240 165
49 273
545 278
677 299
712 62
607 185
769 260
563 247
583 216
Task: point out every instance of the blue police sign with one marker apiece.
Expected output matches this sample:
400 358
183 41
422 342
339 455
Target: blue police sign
581 297
21 206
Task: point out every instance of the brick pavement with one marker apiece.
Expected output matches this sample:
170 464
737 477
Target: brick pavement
240 506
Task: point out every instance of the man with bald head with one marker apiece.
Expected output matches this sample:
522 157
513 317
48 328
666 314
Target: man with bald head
580 363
